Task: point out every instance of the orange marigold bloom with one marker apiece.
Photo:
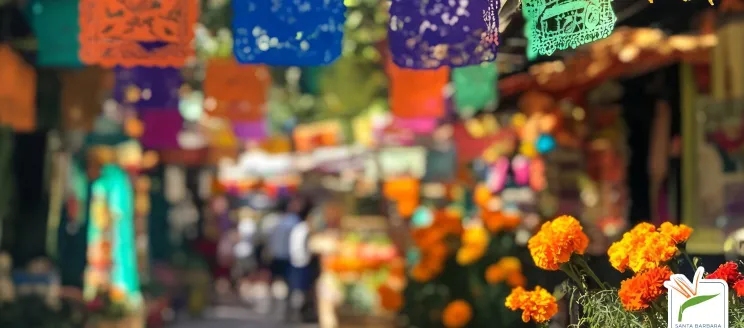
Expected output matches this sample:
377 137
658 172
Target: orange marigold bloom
390 299
457 314
538 305
556 241
508 269
637 293
494 274
482 195
679 233
422 273
474 245
641 248
516 280
117 295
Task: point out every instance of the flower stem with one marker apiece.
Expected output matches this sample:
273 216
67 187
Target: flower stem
568 269
687 258
585 266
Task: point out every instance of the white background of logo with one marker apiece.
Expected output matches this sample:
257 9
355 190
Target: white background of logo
711 312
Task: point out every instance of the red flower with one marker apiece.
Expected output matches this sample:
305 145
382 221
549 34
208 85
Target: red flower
739 288
728 272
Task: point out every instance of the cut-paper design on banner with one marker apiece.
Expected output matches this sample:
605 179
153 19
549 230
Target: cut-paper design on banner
559 24
147 87
433 33
137 32
56 27
17 91
293 33
417 93
475 88
237 92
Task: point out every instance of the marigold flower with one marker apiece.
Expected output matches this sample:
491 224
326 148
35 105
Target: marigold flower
422 273
739 288
679 233
117 295
556 241
494 274
728 272
482 195
474 244
390 299
641 248
638 292
457 314
508 269
538 305
516 280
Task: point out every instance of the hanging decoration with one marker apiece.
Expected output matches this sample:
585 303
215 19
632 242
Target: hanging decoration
161 128
147 87
559 24
475 88
56 27
434 33
416 93
83 91
112 259
137 33
18 91
237 92
308 137
288 32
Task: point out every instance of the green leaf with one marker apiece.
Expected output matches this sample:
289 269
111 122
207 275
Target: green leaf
692 302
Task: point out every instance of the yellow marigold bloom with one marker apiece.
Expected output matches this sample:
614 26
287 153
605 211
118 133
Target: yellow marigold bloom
679 233
538 305
642 248
556 241
457 314
474 245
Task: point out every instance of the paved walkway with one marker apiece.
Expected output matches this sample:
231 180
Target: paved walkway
239 317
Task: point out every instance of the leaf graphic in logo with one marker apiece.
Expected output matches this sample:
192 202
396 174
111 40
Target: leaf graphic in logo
692 302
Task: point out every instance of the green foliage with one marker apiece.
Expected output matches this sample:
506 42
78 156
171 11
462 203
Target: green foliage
426 301
603 309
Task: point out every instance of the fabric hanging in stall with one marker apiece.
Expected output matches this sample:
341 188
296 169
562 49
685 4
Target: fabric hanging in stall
112 258
292 33
417 93
17 91
56 27
137 33
147 87
428 34
83 91
475 88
